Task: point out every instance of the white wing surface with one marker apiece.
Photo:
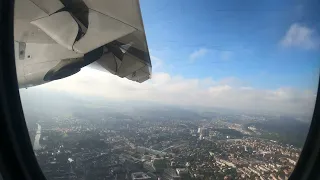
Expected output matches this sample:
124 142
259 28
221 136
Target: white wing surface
55 39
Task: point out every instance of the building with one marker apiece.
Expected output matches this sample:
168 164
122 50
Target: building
144 150
205 132
199 130
170 174
140 176
149 166
200 137
292 161
181 171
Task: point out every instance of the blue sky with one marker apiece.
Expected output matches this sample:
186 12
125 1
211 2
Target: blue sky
239 39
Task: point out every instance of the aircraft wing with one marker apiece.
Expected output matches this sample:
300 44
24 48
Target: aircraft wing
54 39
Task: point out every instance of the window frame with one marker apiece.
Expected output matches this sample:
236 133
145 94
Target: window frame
17 158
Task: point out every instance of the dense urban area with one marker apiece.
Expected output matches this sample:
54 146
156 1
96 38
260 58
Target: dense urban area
154 142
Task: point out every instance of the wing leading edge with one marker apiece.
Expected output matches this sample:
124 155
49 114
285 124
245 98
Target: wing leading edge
55 39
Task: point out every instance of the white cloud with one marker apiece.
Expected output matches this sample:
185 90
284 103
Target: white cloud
198 53
164 88
212 55
300 36
246 88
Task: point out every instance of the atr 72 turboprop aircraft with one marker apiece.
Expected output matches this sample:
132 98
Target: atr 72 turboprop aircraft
54 39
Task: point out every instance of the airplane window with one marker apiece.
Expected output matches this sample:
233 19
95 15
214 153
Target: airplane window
167 89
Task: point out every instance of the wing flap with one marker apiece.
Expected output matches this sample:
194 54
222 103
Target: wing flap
26 32
126 11
61 27
137 40
108 62
39 53
101 30
27 11
140 75
48 6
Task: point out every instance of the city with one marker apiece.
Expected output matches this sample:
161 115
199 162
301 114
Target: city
149 146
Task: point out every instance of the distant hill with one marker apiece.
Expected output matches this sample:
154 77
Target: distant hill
288 130
46 103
